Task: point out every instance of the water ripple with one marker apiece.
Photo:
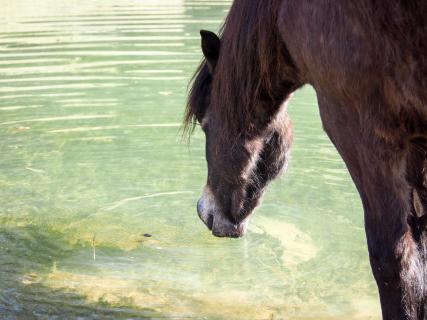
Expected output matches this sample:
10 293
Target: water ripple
63 118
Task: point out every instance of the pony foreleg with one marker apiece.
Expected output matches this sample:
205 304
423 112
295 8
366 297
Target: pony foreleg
393 253
379 169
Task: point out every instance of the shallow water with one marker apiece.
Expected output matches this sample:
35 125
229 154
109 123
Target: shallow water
91 99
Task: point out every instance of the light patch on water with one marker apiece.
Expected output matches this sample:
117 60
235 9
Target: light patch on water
87 66
97 288
60 87
38 94
98 128
119 292
165 93
70 78
98 54
163 78
99 138
88 105
13 108
155 71
297 246
35 170
29 61
157 125
63 118
31 278
19 129
153 195
84 129
365 308
211 303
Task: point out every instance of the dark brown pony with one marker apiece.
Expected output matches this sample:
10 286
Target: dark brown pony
367 61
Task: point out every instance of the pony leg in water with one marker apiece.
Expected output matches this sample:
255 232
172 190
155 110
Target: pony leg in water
378 167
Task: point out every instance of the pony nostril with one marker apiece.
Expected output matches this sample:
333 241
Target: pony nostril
209 223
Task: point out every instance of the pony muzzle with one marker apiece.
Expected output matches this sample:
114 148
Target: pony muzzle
216 221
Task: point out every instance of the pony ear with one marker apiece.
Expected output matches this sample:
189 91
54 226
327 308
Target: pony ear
210 47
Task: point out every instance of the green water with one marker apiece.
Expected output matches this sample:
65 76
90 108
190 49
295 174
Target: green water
91 98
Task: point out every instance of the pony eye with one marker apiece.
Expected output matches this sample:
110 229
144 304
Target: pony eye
199 119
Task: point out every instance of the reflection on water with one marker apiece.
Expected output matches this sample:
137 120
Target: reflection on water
92 95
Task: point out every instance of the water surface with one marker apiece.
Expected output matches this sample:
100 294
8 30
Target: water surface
91 99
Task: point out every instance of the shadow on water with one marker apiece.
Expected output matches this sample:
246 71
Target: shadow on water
25 293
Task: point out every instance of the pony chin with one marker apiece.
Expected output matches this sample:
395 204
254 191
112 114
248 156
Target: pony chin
216 220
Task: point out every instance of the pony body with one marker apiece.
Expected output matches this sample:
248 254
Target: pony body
368 65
